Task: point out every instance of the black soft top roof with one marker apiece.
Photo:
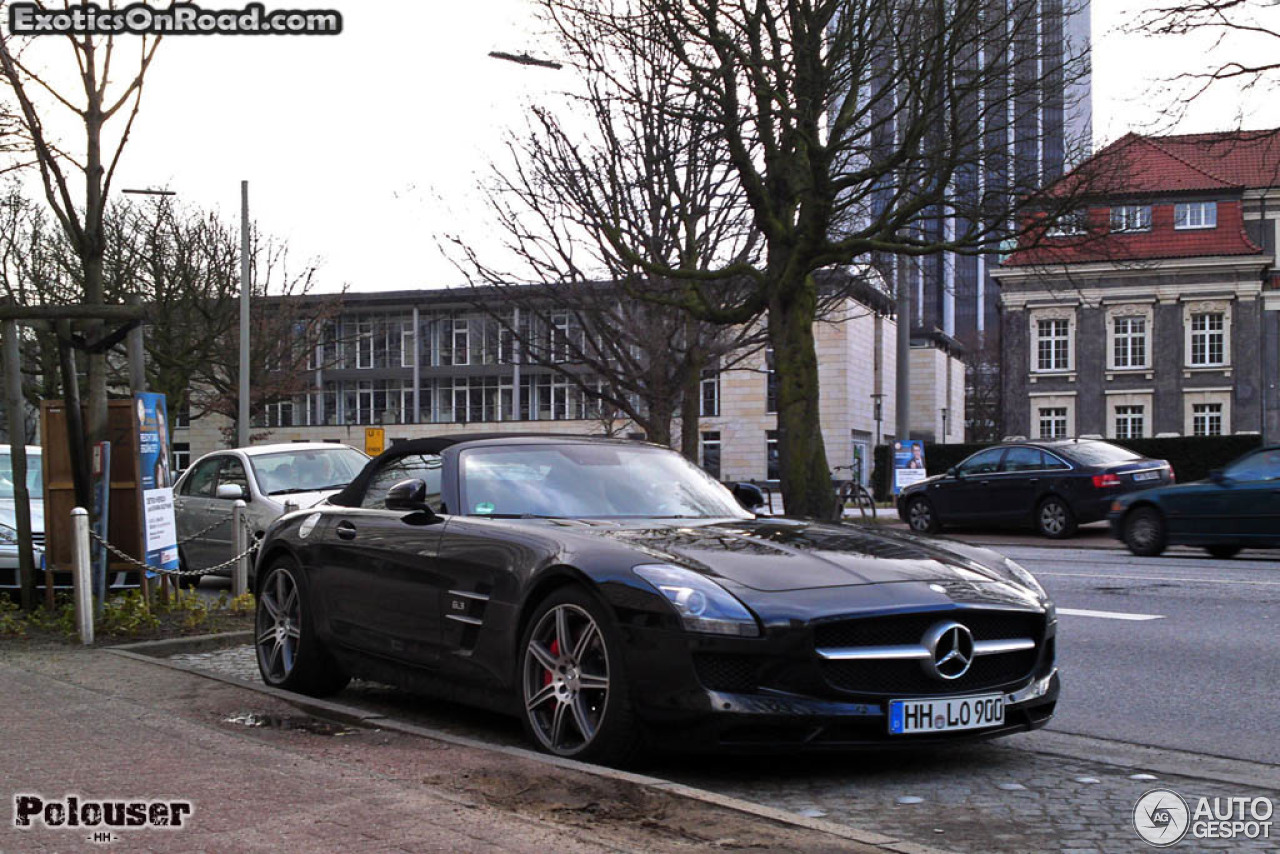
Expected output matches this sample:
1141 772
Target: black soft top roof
351 494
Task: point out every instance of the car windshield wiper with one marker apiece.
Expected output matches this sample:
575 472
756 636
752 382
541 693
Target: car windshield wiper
514 516
296 489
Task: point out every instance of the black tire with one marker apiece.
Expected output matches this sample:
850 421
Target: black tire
1144 532
562 713
1055 520
921 516
186 582
1223 551
289 654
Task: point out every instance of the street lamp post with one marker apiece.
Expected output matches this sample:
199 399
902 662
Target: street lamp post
242 409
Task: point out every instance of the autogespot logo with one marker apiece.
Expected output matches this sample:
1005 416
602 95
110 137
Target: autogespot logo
1161 817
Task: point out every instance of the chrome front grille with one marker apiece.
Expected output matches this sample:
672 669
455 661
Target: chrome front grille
891 655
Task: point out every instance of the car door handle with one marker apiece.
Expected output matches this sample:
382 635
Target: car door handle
1034 480
346 530
984 483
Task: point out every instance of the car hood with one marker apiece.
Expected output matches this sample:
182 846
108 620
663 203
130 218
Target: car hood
921 484
303 499
781 554
9 515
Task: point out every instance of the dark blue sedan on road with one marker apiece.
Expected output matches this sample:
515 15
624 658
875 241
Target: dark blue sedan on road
1237 507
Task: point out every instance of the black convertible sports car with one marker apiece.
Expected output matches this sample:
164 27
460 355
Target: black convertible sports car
613 595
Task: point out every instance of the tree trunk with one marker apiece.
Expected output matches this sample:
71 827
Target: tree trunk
657 426
807 489
691 401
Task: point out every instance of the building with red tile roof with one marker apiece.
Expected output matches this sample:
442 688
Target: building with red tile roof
1148 303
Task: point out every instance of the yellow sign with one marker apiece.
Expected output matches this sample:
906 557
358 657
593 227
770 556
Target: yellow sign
375 439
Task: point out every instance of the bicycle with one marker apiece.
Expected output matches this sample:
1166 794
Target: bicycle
852 492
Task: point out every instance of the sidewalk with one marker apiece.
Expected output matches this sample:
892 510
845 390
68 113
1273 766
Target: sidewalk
96 725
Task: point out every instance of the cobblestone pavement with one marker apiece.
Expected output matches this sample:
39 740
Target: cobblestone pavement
996 797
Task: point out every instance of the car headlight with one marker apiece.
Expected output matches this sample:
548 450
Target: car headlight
703 605
1025 578
8 535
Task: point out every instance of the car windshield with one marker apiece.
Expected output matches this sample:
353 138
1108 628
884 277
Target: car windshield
307 470
589 481
1098 453
35 468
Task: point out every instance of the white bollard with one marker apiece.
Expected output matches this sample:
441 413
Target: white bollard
240 542
82 580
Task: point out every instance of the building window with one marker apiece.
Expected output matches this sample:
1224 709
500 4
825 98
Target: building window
1206 419
1195 215
364 344
280 414
1130 342
181 456
1053 345
773 466
408 335
1131 218
1130 422
710 388
1208 339
770 383
711 453
460 345
1053 422
1069 224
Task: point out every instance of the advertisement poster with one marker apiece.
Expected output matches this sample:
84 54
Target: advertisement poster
157 482
908 463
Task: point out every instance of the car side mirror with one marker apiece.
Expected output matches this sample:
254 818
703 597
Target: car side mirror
409 496
231 491
955 472
1217 476
750 496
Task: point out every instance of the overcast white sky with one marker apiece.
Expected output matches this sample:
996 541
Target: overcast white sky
360 149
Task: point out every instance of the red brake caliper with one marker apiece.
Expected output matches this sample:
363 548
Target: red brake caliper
555 650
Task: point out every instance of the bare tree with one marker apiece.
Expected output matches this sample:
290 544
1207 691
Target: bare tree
107 91
852 128
1221 19
184 265
618 174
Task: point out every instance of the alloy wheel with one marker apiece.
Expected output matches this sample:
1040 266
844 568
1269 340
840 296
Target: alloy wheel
1143 531
566 679
921 516
279 625
1053 518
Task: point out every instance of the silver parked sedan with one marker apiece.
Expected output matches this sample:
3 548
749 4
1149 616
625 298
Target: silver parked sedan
266 477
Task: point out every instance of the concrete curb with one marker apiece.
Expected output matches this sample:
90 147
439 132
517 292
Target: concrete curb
342 713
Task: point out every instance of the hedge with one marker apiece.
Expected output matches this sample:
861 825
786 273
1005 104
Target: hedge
1192 457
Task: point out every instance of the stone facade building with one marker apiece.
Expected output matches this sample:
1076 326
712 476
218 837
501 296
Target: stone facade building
1156 311
429 362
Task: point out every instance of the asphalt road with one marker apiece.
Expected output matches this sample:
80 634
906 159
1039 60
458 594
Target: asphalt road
1202 676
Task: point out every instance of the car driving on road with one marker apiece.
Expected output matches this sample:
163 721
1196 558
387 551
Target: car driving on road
1053 486
1237 507
615 597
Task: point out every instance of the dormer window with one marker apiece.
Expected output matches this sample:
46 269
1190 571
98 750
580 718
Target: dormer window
1131 218
1069 224
1188 215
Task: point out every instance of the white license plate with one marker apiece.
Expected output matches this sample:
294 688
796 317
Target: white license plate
957 713
1146 475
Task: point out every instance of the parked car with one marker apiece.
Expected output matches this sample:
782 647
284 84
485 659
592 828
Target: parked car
614 596
1237 507
266 477
1053 486
8 514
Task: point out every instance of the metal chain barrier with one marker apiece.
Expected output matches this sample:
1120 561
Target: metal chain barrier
204 531
254 539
